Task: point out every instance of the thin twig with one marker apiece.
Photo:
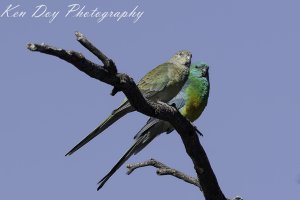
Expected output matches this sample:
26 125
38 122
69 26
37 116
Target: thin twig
108 63
163 169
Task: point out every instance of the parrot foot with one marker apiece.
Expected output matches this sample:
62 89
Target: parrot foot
197 130
174 106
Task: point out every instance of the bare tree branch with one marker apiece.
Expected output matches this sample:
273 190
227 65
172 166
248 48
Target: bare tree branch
122 82
163 169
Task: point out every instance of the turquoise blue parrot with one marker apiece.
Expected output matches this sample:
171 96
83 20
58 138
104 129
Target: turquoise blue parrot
161 84
190 101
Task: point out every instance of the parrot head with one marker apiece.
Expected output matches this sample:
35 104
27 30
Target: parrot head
199 70
183 57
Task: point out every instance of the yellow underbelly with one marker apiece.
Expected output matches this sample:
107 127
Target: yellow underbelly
193 109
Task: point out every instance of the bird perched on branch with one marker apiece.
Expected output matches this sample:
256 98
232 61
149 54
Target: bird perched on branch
160 84
190 101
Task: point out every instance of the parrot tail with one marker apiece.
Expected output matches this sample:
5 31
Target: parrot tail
150 123
142 139
116 115
139 144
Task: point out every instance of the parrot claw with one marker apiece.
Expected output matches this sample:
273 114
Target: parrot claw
197 131
174 105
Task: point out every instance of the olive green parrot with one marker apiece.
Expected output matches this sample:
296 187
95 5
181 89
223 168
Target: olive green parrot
190 101
160 84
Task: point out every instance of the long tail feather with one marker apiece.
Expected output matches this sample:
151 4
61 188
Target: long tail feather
150 123
152 129
137 145
116 115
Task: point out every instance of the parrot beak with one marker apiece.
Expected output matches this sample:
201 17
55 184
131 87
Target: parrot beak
189 58
205 70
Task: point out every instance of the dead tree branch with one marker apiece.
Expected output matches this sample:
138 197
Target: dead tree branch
163 169
122 82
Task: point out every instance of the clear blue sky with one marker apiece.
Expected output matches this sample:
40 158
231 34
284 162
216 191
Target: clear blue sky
251 124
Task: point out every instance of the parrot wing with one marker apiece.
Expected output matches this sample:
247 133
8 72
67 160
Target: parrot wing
156 80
